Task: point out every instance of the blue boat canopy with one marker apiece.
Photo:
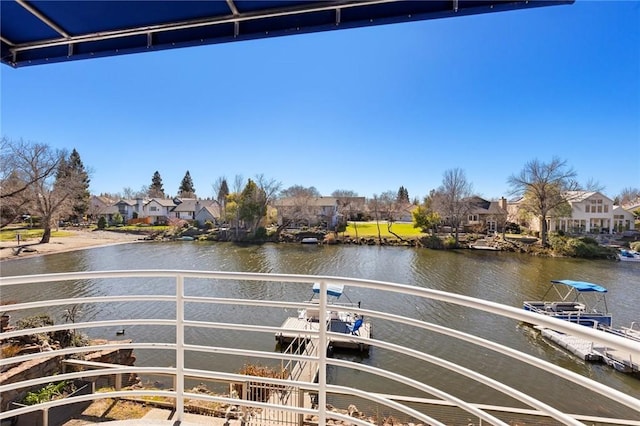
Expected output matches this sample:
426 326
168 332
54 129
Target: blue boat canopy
332 289
48 31
581 286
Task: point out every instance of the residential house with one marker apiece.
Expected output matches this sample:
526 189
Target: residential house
185 208
352 208
99 206
591 212
129 209
623 219
307 211
208 213
158 210
486 216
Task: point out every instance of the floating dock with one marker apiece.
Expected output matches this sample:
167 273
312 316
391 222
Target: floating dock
296 328
589 351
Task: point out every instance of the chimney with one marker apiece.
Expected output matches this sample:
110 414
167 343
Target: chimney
503 203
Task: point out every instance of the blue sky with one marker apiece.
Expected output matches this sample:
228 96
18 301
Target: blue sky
366 109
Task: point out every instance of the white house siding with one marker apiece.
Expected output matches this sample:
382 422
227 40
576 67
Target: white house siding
623 220
158 212
590 212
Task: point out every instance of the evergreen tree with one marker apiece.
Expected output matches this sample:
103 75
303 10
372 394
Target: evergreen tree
186 189
252 206
73 169
403 195
156 190
223 193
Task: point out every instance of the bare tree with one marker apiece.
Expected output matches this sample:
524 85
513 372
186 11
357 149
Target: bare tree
51 195
391 208
546 188
627 196
15 181
233 205
374 204
452 199
296 205
220 193
350 205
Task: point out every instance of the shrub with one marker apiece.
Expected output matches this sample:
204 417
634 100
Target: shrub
117 219
257 392
49 392
584 247
432 242
450 242
102 222
261 233
66 338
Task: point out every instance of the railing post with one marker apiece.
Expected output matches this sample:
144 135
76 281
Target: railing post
322 357
179 381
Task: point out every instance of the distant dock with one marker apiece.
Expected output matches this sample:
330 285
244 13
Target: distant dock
589 351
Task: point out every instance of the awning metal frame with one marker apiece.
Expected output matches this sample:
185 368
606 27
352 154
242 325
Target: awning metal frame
374 12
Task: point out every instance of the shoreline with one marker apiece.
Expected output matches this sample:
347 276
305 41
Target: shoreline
80 240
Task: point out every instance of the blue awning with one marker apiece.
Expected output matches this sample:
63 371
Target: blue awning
47 31
581 286
332 289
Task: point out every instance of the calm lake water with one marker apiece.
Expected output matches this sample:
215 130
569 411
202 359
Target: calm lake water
501 277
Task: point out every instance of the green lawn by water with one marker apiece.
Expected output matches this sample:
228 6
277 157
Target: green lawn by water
370 229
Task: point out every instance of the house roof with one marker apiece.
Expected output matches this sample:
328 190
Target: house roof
186 206
482 206
312 202
212 210
164 202
48 31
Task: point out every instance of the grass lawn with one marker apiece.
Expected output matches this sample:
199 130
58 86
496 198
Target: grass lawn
370 230
28 234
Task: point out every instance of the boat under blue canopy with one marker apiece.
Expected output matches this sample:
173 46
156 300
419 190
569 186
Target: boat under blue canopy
581 286
48 31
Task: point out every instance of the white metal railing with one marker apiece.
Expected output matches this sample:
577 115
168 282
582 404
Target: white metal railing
180 347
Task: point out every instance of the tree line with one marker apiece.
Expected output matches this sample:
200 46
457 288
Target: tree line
55 185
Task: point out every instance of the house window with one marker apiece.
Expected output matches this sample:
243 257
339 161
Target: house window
587 208
473 218
606 208
153 209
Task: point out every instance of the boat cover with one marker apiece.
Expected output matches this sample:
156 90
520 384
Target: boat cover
332 289
581 286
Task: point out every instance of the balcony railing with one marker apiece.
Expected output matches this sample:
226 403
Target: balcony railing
297 399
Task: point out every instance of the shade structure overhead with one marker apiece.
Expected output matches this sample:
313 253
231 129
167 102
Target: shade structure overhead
47 31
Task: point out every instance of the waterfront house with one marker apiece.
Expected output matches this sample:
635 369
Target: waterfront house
591 212
307 211
208 213
486 216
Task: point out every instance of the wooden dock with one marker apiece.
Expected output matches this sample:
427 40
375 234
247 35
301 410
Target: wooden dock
294 328
586 350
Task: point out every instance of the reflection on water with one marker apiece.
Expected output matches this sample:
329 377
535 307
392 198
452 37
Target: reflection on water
501 277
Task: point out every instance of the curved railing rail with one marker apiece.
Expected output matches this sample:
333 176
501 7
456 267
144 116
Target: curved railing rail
321 387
